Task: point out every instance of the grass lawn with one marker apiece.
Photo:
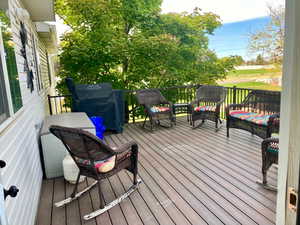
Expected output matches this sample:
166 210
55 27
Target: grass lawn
239 73
248 79
254 85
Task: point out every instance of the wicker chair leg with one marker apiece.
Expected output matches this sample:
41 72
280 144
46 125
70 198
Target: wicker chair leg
134 159
228 132
145 121
76 186
151 123
102 204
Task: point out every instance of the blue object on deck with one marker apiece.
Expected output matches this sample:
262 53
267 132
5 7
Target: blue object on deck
99 124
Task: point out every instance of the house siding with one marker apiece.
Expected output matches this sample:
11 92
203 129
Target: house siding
19 141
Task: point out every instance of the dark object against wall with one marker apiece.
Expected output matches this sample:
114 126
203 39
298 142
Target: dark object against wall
99 100
24 40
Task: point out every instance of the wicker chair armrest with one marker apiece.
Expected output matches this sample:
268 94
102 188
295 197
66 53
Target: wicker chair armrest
274 120
148 106
195 102
124 147
219 103
275 116
168 103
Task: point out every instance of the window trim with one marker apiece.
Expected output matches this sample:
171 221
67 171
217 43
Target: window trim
6 80
10 120
4 103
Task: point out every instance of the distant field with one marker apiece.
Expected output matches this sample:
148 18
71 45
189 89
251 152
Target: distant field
254 85
248 79
259 72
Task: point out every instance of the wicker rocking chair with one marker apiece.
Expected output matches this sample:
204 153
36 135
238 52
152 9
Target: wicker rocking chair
98 161
156 107
269 152
207 105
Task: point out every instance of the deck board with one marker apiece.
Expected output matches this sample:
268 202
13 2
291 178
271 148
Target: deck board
190 176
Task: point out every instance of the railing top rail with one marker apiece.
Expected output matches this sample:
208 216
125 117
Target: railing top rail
167 88
178 94
59 96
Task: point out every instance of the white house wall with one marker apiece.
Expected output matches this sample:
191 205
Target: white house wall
18 141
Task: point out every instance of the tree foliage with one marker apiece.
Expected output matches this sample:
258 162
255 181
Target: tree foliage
268 42
132 45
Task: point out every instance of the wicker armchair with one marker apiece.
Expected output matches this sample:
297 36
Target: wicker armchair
207 105
156 107
98 161
258 113
269 152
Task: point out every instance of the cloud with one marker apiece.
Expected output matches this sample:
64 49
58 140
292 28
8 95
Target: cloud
228 10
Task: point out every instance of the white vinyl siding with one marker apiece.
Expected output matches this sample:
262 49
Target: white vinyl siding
19 138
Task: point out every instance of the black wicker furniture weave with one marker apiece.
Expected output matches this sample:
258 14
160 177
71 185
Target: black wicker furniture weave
207 105
269 152
258 113
156 107
86 150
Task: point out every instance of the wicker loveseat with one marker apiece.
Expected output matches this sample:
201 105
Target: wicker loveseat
258 113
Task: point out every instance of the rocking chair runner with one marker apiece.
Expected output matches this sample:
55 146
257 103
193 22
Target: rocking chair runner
156 107
89 154
207 105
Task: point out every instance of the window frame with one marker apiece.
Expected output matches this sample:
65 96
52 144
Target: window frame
5 115
5 76
11 114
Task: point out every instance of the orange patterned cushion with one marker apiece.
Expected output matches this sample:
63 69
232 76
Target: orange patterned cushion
159 109
253 117
205 108
103 166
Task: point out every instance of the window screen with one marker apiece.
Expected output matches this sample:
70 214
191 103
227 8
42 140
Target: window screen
10 58
4 112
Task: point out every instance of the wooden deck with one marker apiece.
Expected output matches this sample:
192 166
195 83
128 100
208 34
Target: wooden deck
189 177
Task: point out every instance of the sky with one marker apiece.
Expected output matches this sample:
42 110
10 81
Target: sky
228 10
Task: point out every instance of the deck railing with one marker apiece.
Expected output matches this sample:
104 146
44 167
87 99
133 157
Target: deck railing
133 112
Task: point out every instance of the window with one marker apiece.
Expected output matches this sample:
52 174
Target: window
10 71
4 112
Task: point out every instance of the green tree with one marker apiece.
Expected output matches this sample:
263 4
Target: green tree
239 60
268 42
130 44
260 60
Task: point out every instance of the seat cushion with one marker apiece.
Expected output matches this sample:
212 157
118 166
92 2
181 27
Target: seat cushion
273 147
103 166
253 117
205 108
159 109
